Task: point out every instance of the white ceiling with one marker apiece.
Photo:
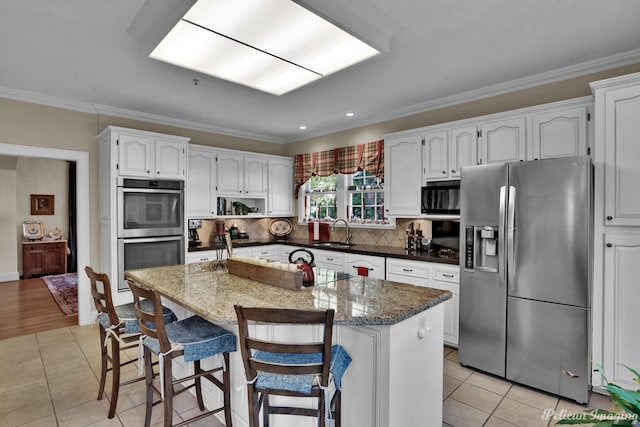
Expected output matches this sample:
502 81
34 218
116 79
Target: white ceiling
91 55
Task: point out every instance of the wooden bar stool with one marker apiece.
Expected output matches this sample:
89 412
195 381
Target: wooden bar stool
118 325
195 339
303 369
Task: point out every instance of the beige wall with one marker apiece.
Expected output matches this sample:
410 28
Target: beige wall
572 88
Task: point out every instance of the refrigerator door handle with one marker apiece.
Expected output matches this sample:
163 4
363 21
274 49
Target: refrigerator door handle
501 226
511 229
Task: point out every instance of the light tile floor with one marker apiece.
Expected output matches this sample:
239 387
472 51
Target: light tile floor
51 379
473 398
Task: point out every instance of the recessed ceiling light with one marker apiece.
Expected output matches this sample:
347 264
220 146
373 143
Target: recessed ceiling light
350 114
274 46
303 127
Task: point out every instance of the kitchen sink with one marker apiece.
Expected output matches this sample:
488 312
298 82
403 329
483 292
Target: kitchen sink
333 244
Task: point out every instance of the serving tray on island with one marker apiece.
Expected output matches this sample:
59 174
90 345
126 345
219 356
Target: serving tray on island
266 274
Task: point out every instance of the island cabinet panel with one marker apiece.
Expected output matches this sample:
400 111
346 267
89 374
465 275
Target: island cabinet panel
383 387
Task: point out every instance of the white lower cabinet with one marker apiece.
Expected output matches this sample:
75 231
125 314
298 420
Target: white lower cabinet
435 275
374 265
621 296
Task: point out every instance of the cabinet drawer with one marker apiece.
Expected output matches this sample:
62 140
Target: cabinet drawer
446 275
408 268
336 259
202 256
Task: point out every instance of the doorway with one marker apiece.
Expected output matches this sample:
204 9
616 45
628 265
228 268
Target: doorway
82 211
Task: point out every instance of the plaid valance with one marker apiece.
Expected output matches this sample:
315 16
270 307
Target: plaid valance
346 160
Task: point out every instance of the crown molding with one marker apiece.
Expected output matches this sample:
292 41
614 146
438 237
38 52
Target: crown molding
169 121
614 61
589 67
50 101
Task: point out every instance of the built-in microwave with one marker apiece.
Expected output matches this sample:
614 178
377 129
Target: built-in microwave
150 208
441 198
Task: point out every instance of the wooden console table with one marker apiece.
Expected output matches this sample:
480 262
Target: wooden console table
40 257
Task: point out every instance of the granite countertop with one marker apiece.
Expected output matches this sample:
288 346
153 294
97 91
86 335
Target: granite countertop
357 300
374 250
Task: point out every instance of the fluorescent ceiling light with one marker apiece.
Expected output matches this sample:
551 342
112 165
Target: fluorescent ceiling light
274 46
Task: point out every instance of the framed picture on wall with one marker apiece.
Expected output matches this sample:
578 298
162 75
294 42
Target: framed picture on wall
42 204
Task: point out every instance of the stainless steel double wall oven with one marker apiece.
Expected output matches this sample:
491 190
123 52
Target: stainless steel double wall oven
150 224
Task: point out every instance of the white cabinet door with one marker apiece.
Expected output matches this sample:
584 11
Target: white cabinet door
255 176
356 263
280 188
135 155
621 297
560 133
150 157
435 275
435 155
447 278
230 174
169 159
503 141
463 149
622 156
403 175
201 179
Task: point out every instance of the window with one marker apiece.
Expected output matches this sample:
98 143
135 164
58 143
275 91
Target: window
320 198
358 197
366 198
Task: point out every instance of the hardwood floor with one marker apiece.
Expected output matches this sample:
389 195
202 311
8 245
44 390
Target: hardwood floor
26 306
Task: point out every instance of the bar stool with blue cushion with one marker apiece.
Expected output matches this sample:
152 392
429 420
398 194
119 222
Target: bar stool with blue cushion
194 338
302 369
119 325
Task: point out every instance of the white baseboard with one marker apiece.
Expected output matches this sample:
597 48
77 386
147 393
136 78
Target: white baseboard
9 276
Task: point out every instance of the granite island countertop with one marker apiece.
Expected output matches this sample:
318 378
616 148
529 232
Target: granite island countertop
356 300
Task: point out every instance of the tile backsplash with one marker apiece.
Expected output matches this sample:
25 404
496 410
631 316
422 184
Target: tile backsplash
258 228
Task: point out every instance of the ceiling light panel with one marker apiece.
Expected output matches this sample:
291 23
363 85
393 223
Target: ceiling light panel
275 30
197 49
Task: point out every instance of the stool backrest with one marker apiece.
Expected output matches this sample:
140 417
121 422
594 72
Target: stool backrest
150 317
101 293
248 344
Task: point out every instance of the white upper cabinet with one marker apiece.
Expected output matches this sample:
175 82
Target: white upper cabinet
201 183
620 133
280 188
255 176
446 151
560 133
402 175
241 176
463 149
230 174
503 141
435 161
149 155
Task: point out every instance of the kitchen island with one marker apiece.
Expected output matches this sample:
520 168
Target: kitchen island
393 332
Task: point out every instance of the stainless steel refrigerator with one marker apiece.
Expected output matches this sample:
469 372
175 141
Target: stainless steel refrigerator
525 272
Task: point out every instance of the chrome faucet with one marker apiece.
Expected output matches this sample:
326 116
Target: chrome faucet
348 236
